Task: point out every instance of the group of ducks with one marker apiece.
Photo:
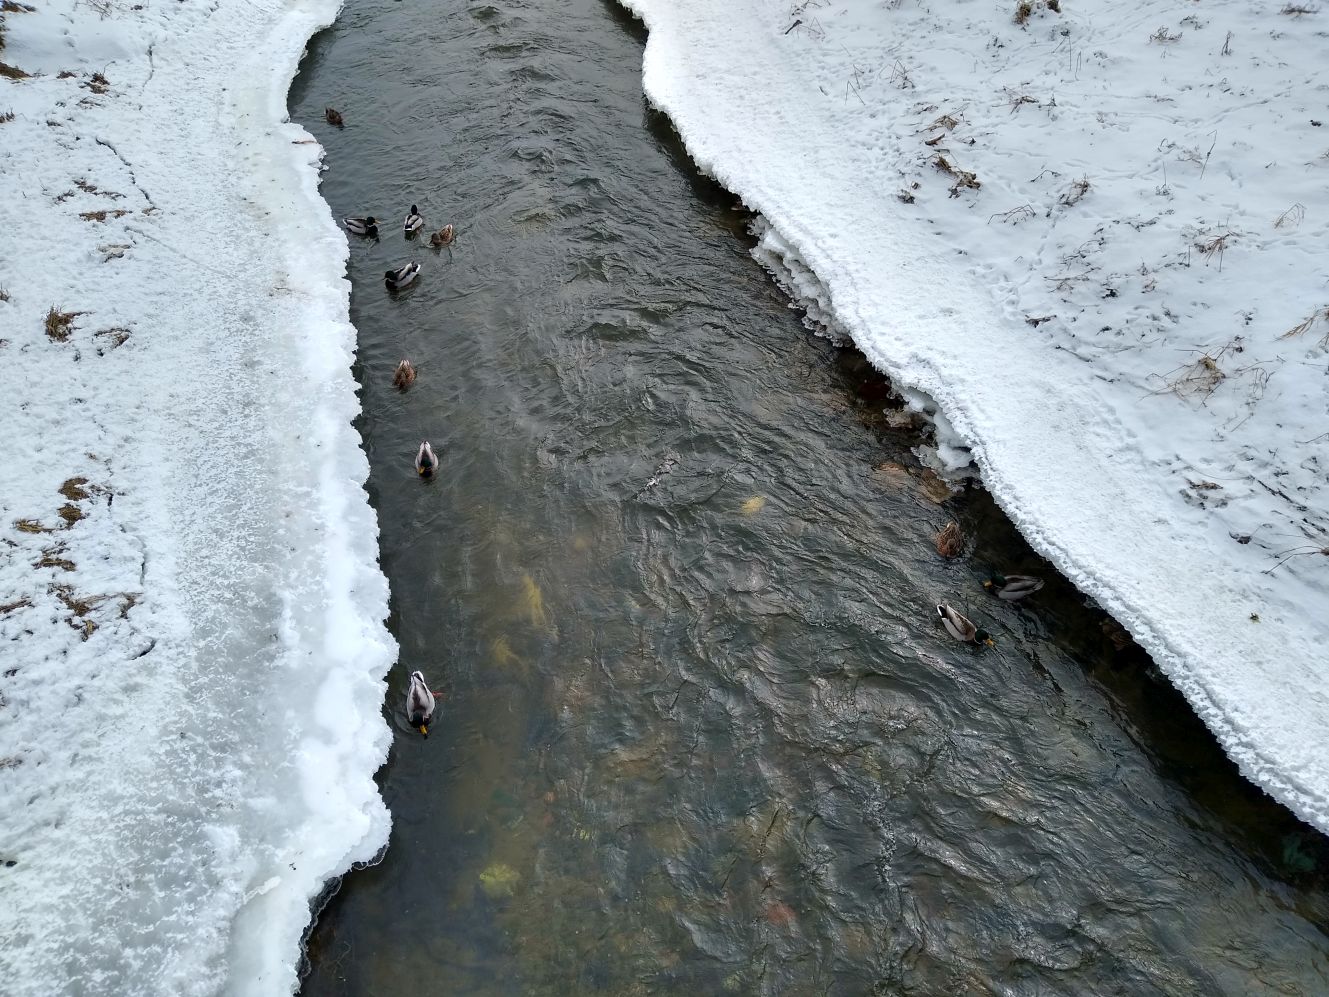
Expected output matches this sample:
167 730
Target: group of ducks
1011 588
402 276
420 700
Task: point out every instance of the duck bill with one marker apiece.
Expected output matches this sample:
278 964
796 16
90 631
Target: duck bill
990 642
424 729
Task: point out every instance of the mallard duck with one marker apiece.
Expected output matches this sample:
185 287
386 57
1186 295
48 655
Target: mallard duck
405 375
950 541
402 276
1013 588
959 627
362 226
334 117
414 223
419 703
443 237
425 461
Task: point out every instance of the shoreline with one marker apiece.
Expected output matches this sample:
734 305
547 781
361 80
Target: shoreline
1034 480
204 616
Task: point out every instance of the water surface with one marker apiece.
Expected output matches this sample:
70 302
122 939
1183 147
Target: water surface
701 734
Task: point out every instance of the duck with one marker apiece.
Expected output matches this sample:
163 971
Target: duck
425 461
405 375
334 117
419 703
414 223
401 277
362 226
949 541
1013 588
959 627
443 237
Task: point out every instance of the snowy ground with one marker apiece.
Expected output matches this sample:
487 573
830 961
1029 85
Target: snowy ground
1096 237
190 605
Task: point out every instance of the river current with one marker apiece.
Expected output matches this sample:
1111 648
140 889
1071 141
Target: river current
676 578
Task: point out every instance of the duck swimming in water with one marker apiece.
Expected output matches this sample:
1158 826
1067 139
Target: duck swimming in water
443 237
1013 588
414 223
425 461
959 627
362 226
419 703
395 280
333 117
405 375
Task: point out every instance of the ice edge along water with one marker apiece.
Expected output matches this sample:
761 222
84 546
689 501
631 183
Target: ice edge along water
1077 481
192 621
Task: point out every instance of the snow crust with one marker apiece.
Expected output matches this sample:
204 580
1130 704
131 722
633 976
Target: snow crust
1096 242
191 636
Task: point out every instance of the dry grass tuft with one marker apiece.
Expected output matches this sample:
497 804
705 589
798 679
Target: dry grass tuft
9 607
1215 247
51 559
1292 217
1023 10
1163 37
31 526
13 72
100 216
949 541
1320 315
59 325
74 491
4 295
71 514
1299 10
92 188
6 118
963 178
1076 192
1199 379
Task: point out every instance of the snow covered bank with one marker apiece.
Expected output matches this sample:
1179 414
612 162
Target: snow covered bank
1096 236
190 604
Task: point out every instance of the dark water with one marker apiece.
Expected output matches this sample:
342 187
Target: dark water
703 736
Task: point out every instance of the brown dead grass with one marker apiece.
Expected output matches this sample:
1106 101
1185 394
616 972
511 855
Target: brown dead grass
6 118
13 72
9 607
1320 315
60 325
100 216
74 491
51 559
32 526
70 513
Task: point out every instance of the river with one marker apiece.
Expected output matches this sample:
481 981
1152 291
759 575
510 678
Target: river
700 730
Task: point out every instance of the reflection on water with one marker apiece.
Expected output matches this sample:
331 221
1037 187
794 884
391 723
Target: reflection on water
675 578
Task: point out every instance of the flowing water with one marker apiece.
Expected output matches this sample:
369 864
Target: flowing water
676 577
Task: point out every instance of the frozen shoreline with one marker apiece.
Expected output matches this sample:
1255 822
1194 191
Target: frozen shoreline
193 715
1141 414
